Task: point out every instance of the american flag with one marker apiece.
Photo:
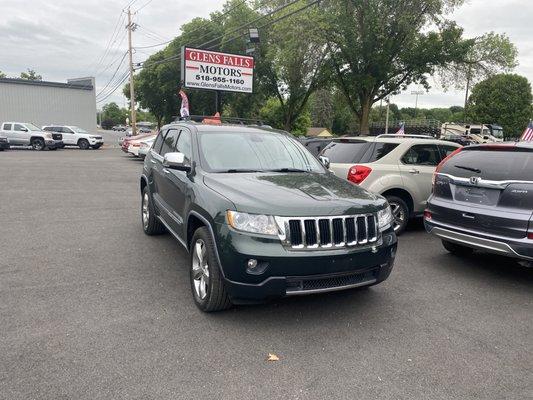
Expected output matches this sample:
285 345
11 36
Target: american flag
401 131
527 136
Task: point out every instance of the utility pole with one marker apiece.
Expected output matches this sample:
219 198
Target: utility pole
387 116
131 27
417 93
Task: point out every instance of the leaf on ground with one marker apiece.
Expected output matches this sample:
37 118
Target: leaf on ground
272 357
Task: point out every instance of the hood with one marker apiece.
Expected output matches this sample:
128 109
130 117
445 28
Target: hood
293 194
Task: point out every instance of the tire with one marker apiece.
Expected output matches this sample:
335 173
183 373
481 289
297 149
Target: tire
96 147
400 212
150 223
84 144
37 144
205 272
457 249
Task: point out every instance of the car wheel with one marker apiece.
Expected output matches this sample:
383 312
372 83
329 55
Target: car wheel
37 144
207 284
457 249
151 224
400 212
83 144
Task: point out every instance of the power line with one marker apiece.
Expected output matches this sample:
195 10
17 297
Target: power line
114 74
114 89
144 5
112 40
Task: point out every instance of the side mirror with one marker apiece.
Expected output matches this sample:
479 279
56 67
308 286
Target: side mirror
176 161
324 161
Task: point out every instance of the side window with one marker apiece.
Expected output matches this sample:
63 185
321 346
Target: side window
158 141
64 129
382 149
18 128
184 144
446 150
169 144
7 127
422 154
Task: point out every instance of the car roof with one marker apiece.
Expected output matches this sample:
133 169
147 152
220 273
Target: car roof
222 128
391 139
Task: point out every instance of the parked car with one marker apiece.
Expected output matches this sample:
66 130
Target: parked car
127 139
260 216
75 136
27 134
119 128
145 147
4 144
483 199
399 167
144 129
315 145
135 145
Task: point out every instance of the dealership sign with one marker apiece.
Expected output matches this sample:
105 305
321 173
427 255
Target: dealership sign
204 69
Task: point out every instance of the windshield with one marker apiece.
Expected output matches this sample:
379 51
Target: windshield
254 151
497 132
32 127
77 129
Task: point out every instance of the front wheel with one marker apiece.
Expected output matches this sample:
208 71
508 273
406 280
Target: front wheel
457 249
37 144
151 225
83 144
400 212
207 283
96 147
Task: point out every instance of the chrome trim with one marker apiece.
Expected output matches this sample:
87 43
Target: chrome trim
284 232
486 183
331 289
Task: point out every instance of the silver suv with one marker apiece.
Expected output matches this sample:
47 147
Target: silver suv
399 167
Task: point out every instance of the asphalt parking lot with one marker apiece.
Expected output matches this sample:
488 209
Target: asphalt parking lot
91 308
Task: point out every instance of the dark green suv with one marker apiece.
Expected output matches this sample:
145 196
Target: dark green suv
260 216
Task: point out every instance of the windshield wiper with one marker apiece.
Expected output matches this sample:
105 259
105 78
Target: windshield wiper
287 170
476 170
239 170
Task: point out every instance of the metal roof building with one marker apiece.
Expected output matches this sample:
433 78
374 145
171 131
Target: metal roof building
43 103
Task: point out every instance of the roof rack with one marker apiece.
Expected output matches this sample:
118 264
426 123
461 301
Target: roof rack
222 119
396 136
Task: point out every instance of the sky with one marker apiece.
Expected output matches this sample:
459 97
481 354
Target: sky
64 39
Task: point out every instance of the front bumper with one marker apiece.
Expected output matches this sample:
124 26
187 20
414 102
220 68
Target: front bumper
516 248
54 144
4 145
289 273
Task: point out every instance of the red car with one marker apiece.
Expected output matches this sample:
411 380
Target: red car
126 141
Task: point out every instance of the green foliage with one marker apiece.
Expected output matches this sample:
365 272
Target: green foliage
31 75
504 99
2 75
112 112
272 114
373 59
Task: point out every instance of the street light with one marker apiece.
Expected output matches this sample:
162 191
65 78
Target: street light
417 93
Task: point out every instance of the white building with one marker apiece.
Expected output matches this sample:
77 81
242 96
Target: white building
44 103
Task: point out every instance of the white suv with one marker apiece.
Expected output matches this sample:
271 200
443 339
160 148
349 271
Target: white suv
74 136
399 167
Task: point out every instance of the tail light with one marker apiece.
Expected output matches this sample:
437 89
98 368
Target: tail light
530 235
427 215
358 173
444 161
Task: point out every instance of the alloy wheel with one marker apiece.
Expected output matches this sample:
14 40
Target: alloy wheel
200 269
399 216
145 211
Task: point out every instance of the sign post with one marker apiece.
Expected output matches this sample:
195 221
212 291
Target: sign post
213 70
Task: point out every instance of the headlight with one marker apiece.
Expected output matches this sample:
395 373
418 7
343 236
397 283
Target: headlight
48 136
252 223
385 218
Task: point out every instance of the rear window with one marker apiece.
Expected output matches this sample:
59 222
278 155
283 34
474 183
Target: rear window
492 164
346 152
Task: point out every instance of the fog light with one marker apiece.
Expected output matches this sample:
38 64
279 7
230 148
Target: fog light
255 267
252 263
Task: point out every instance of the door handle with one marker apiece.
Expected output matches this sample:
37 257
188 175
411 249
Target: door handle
469 216
152 160
414 171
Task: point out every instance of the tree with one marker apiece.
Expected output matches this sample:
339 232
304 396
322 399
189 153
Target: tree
504 99
31 75
272 114
321 107
112 112
2 75
379 47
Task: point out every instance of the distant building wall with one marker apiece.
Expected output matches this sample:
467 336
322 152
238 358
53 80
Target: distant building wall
43 103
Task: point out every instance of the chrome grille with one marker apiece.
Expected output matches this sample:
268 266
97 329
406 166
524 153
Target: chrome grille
328 232
57 136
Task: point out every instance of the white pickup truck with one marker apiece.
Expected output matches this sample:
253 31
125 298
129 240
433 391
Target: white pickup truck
27 134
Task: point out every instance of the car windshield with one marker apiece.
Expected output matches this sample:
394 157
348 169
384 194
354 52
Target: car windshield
32 127
77 129
497 132
255 151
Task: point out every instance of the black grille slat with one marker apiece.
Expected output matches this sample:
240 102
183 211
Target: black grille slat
350 230
325 234
338 231
57 136
361 229
371 228
296 284
310 232
296 232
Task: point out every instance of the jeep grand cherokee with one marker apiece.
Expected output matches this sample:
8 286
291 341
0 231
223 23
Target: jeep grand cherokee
260 216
